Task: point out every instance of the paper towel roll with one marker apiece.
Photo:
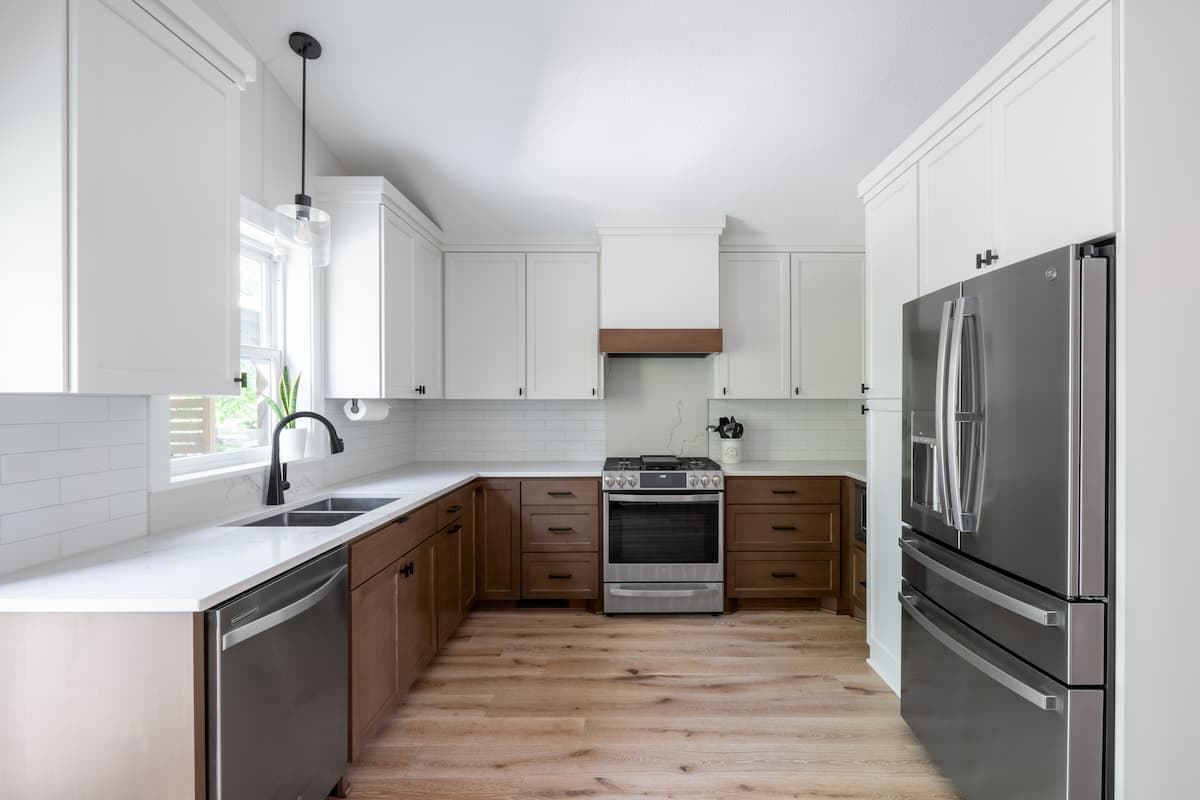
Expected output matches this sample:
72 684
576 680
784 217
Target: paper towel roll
366 410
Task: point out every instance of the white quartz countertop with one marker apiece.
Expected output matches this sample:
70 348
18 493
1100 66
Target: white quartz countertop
197 568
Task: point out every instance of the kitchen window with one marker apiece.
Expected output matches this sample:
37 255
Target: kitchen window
208 433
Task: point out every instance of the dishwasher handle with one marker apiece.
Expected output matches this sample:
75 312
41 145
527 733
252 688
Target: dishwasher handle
290 611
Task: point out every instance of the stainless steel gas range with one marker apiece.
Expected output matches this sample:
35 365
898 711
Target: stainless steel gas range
664 535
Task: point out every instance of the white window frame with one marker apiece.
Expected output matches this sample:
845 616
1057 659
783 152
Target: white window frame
261 243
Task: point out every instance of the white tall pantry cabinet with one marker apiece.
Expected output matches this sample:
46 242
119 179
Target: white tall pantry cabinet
120 217
1020 161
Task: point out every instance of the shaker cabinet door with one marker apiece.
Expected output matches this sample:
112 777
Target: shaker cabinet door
827 319
154 208
891 279
562 326
756 320
485 326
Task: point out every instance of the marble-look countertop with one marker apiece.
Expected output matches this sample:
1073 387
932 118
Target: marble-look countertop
200 567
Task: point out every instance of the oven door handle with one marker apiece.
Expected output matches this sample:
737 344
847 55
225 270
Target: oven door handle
711 497
615 592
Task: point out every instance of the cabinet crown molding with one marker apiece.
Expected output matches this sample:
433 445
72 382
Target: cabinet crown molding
216 45
376 190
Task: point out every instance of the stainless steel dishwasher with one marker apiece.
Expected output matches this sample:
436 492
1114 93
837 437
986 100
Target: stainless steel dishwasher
277 686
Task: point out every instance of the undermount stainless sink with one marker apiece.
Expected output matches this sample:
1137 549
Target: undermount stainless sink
303 519
359 504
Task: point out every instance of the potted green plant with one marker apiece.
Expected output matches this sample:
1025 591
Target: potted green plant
292 440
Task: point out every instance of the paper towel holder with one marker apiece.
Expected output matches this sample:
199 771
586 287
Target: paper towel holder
354 405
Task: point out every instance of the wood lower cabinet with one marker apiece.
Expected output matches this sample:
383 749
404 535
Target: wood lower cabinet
784 540
448 548
858 581
468 539
418 637
560 539
498 540
560 576
375 630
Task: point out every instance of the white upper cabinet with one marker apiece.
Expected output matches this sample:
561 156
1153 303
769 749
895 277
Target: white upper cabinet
562 326
827 320
383 293
892 250
956 204
1054 145
756 325
792 324
485 325
138 140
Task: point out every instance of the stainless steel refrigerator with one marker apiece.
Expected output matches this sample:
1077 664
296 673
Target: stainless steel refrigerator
1007 581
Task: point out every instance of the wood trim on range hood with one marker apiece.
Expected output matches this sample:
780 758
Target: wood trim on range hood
666 341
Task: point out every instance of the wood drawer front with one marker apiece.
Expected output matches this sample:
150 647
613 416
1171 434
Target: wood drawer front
777 527
573 492
560 576
452 506
858 589
783 490
551 529
782 574
377 549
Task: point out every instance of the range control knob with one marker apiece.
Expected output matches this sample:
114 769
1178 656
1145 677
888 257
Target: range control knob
633 480
609 480
693 480
704 480
716 480
620 480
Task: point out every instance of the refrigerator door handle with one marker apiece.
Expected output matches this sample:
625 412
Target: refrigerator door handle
966 522
939 411
1042 616
1038 698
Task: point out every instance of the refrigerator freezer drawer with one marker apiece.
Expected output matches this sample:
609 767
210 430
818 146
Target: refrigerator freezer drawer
1065 639
996 727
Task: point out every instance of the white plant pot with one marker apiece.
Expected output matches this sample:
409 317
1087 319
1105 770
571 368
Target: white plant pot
292 442
731 451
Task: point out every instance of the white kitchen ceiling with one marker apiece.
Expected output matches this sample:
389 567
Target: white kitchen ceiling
526 120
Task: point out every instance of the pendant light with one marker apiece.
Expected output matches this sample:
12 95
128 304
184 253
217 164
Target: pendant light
300 224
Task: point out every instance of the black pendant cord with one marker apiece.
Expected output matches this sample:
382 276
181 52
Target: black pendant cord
303 118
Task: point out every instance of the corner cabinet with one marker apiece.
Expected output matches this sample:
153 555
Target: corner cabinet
522 326
383 291
122 219
793 326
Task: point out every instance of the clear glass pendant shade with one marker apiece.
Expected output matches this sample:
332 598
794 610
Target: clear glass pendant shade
304 227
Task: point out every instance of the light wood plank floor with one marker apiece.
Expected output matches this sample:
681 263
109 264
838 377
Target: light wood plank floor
565 704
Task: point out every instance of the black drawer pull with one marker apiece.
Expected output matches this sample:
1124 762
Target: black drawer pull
403 519
560 530
453 509
559 576
783 574
454 529
561 494
783 491
862 584
783 527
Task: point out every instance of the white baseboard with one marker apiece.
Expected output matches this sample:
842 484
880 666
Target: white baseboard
885 664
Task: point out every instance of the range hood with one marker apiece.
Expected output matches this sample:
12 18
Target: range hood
660 286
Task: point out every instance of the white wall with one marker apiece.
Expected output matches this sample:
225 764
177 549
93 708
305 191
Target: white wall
1158 548
795 430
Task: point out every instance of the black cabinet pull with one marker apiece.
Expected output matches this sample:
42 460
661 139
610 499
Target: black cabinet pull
242 379
560 530
864 388
862 410
559 576
783 491
408 569
561 494
783 574
986 259
593 391
453 509
403 519
520 391
797 391
862 584
783 527
724 390
454 529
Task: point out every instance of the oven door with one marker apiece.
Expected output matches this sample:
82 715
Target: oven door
663 536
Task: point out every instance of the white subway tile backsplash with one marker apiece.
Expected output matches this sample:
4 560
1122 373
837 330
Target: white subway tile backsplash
126 456
794 430
51 519
28 438
128 504
31 494
128 408
52 463
510 430
102 534
17 409
103 484
96 434
29 552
